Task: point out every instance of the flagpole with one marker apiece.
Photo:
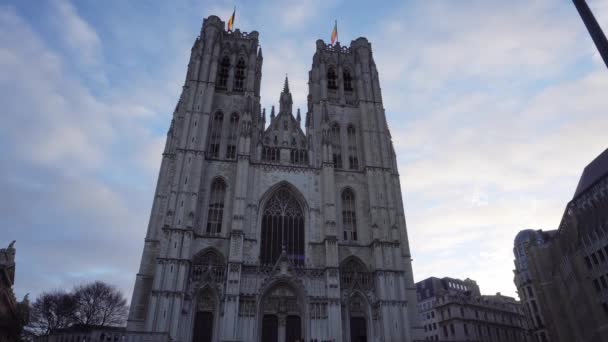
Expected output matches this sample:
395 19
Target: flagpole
594 28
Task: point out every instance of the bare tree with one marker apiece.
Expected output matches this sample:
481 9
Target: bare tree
51 311
99 303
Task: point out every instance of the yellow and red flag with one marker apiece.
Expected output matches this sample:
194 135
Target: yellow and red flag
334 33
231 20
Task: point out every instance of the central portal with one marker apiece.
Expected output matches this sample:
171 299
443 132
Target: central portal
281 316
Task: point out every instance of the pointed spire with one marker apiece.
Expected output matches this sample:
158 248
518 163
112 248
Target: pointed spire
260 52
272 114
264 114
285 101
286 85
298 117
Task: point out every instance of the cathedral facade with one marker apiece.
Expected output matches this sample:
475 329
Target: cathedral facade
261 231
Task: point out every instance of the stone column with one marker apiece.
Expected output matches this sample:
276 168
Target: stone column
282 333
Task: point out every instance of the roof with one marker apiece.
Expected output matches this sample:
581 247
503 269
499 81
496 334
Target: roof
592 173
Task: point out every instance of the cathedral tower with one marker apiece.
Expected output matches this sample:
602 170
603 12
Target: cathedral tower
261 231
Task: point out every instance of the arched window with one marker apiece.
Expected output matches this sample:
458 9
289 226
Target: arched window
348 81
332 79
208 264
216 207
222 77
282 228
232 136
353 159
337 146
353 273
349 219
215 138
239 76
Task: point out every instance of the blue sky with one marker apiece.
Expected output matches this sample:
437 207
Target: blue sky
495 107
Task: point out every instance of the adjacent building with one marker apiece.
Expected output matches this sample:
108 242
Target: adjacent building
261 230
526 288
569 269
455 310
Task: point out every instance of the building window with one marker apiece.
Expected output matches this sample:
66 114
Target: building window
588 262
348 86
239 76
353 160
222 79
216 207
299 157
349 219
215 138
337 146
466 330
452 329
282 228
271 153
332 79
232 136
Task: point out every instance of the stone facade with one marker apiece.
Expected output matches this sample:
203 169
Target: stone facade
527 290
570 270
454 310
262 231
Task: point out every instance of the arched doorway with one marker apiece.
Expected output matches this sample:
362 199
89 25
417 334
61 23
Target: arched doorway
358 319
282 227
204 317
281 313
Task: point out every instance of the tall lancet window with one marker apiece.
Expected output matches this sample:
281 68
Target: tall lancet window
222 76
349 219
332 79
353 159
337 145
216 207
239 75
282 228
215 138
232 136
348 81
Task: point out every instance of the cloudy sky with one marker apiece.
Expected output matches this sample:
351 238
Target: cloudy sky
495 108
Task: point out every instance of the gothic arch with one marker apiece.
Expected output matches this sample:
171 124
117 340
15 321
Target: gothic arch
205 314
282 220
282 297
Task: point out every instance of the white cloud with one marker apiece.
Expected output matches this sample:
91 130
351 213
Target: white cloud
80 37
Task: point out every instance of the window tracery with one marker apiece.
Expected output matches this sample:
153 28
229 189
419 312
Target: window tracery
215 138
232 136
349 218
337 146
216 207
332 79
222 80
239 76
353 159
348 86
282 228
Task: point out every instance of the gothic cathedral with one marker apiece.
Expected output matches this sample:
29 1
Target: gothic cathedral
263 232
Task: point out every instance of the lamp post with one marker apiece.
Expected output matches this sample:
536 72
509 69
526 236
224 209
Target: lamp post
594 28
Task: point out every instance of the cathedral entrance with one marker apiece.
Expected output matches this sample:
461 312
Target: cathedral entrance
358 329
203 327
281 316
270 328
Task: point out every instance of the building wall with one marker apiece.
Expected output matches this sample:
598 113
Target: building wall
455 313
238 290
571 270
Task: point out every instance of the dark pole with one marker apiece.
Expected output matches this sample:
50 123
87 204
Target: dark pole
594 28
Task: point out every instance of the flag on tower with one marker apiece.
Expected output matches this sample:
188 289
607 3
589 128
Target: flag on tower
334 33
231 20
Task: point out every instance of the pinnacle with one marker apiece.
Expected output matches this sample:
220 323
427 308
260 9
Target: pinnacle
286 86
